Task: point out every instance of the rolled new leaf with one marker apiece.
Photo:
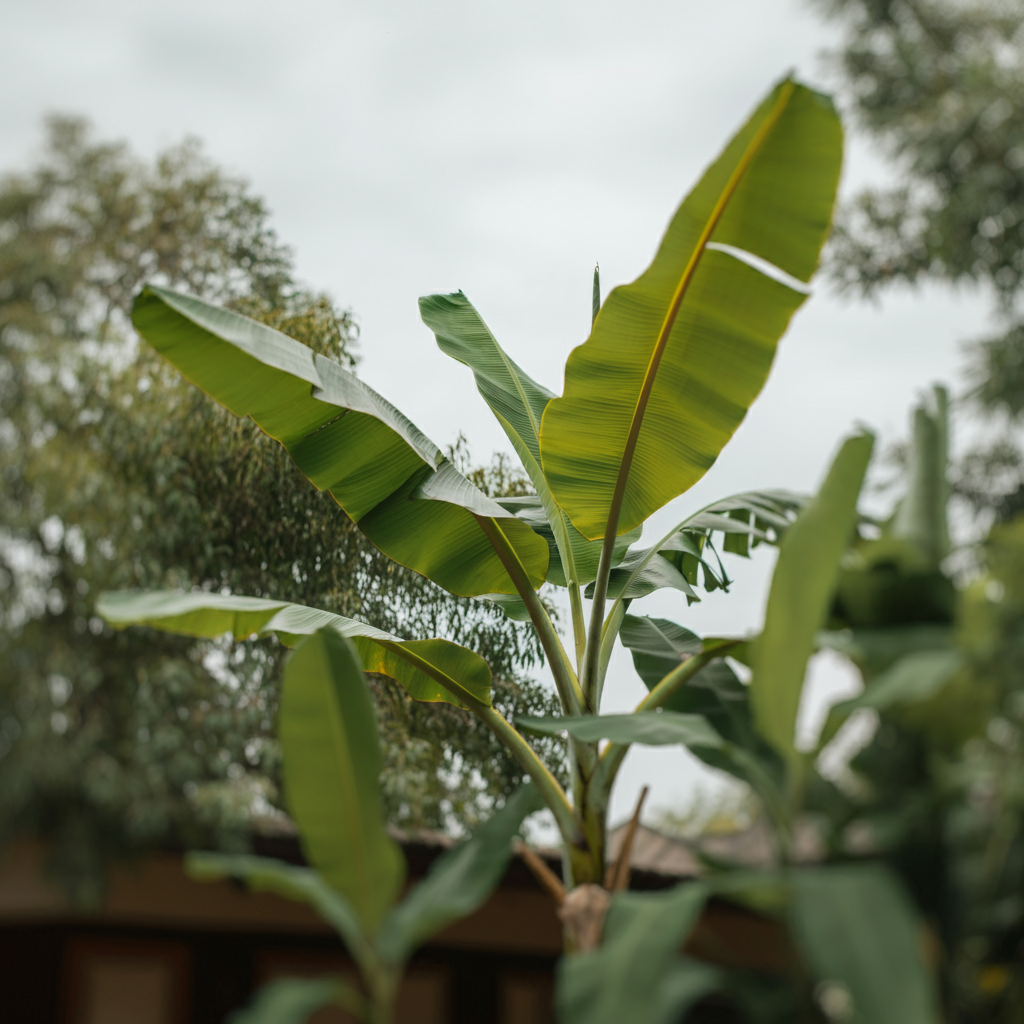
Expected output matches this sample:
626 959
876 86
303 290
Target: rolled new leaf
331 758
387 476
675 359
430 670
458 882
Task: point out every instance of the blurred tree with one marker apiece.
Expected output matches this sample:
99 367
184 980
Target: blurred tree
117 474
939 84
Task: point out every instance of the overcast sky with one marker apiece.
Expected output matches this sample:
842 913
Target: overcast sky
501 148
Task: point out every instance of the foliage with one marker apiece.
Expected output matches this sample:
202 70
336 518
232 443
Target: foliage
701 323
671 366
331 763
112 742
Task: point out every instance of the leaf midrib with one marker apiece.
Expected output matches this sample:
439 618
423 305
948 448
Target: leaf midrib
666 328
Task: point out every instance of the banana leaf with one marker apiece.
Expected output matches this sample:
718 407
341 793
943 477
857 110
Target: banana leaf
331 758
688 552
458 882
390 479
675 359
637 973
430 670
801 593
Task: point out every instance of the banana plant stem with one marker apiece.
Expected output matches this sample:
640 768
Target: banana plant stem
592 654
611 758
561 668
579 624
553 794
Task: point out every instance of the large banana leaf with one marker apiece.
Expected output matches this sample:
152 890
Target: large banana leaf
654 728
637 974
801 593
430 670
458 882
390 479
657 646
331 758
676 358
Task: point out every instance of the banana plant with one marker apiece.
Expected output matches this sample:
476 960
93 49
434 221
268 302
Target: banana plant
672 364
356 872
853 926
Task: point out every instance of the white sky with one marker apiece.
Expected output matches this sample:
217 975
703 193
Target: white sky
501 148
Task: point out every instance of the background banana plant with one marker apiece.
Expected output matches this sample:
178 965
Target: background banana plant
672 364
857 933
357 871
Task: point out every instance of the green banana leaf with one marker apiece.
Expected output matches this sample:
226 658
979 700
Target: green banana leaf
387 476
295 1000
303 885
657 646
676 358
744 758
430 670
655 728
855 926
458 882
920 516
800 596
742 519
331 759
518 403
637 974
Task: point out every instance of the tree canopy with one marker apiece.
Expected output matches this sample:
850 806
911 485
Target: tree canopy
111 742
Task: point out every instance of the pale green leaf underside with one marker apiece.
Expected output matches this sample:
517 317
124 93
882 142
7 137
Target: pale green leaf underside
387 476
331 760
771 194
417 664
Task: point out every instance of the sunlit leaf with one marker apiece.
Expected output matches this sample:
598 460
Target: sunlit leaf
676 358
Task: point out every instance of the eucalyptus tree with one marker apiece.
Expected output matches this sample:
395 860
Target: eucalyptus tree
671 366
110 743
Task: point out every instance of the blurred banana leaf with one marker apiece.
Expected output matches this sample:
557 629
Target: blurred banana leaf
638 974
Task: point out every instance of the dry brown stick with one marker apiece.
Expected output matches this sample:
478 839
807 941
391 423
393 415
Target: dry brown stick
617 875
542 872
